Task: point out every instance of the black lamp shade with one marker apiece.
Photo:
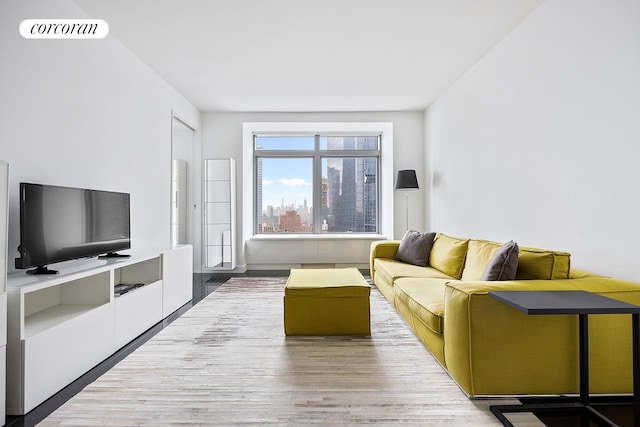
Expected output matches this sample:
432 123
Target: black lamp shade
406 180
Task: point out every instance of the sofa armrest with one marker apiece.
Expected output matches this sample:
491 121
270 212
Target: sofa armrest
493 349
383 249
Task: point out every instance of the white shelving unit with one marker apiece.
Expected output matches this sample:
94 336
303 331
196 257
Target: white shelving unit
60 327
4 201
220 214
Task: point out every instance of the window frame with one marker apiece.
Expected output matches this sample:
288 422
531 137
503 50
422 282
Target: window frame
318 154
385 195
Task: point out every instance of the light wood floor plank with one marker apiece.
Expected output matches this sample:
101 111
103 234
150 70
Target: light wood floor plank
227 362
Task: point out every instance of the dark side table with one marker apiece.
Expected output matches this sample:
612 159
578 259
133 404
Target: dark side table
583 304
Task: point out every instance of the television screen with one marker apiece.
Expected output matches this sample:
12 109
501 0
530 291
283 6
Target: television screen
63 223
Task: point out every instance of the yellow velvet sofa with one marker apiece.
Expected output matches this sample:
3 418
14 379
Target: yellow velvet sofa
489 348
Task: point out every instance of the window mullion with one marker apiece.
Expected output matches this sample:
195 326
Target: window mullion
317 188
285 153
350 153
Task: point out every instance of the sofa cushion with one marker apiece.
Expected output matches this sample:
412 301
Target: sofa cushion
448 254
479 254
415 248
542 264
425 298
503 264
391 270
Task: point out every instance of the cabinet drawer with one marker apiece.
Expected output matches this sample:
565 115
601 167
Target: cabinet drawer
137 311
177 278
57 356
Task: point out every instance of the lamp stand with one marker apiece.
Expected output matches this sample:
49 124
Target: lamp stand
406 209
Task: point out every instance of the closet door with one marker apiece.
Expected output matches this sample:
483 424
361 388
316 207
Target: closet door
179 203
219 214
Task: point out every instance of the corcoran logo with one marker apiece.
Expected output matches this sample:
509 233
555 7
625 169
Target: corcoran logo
64 29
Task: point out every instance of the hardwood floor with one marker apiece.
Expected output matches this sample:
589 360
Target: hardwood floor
226 361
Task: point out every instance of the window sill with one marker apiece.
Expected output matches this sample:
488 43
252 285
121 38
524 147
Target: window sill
345 236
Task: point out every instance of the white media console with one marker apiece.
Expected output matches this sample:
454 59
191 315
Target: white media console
59 327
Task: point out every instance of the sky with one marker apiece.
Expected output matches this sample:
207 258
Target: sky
288 178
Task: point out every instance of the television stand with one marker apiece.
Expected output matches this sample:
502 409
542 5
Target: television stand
42 269
114 255
61 326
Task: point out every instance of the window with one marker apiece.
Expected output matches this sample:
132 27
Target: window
361 174
284 188
316 183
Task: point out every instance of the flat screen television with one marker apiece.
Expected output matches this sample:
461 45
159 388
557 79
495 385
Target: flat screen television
63 223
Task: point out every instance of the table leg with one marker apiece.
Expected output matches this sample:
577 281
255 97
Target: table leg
586 412
584 359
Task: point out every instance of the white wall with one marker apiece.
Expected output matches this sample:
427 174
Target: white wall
539 141
86 113
222 137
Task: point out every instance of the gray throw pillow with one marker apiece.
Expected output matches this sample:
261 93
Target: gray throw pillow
503 264
415 248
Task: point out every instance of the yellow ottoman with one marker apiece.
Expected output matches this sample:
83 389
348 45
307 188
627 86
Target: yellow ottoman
332 301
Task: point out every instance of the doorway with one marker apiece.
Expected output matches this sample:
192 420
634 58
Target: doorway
182 183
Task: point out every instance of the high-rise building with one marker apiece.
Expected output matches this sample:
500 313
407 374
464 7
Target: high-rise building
351 196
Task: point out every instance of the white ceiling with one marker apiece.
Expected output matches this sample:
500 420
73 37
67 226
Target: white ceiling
310 55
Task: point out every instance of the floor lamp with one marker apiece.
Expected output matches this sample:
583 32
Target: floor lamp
406 180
